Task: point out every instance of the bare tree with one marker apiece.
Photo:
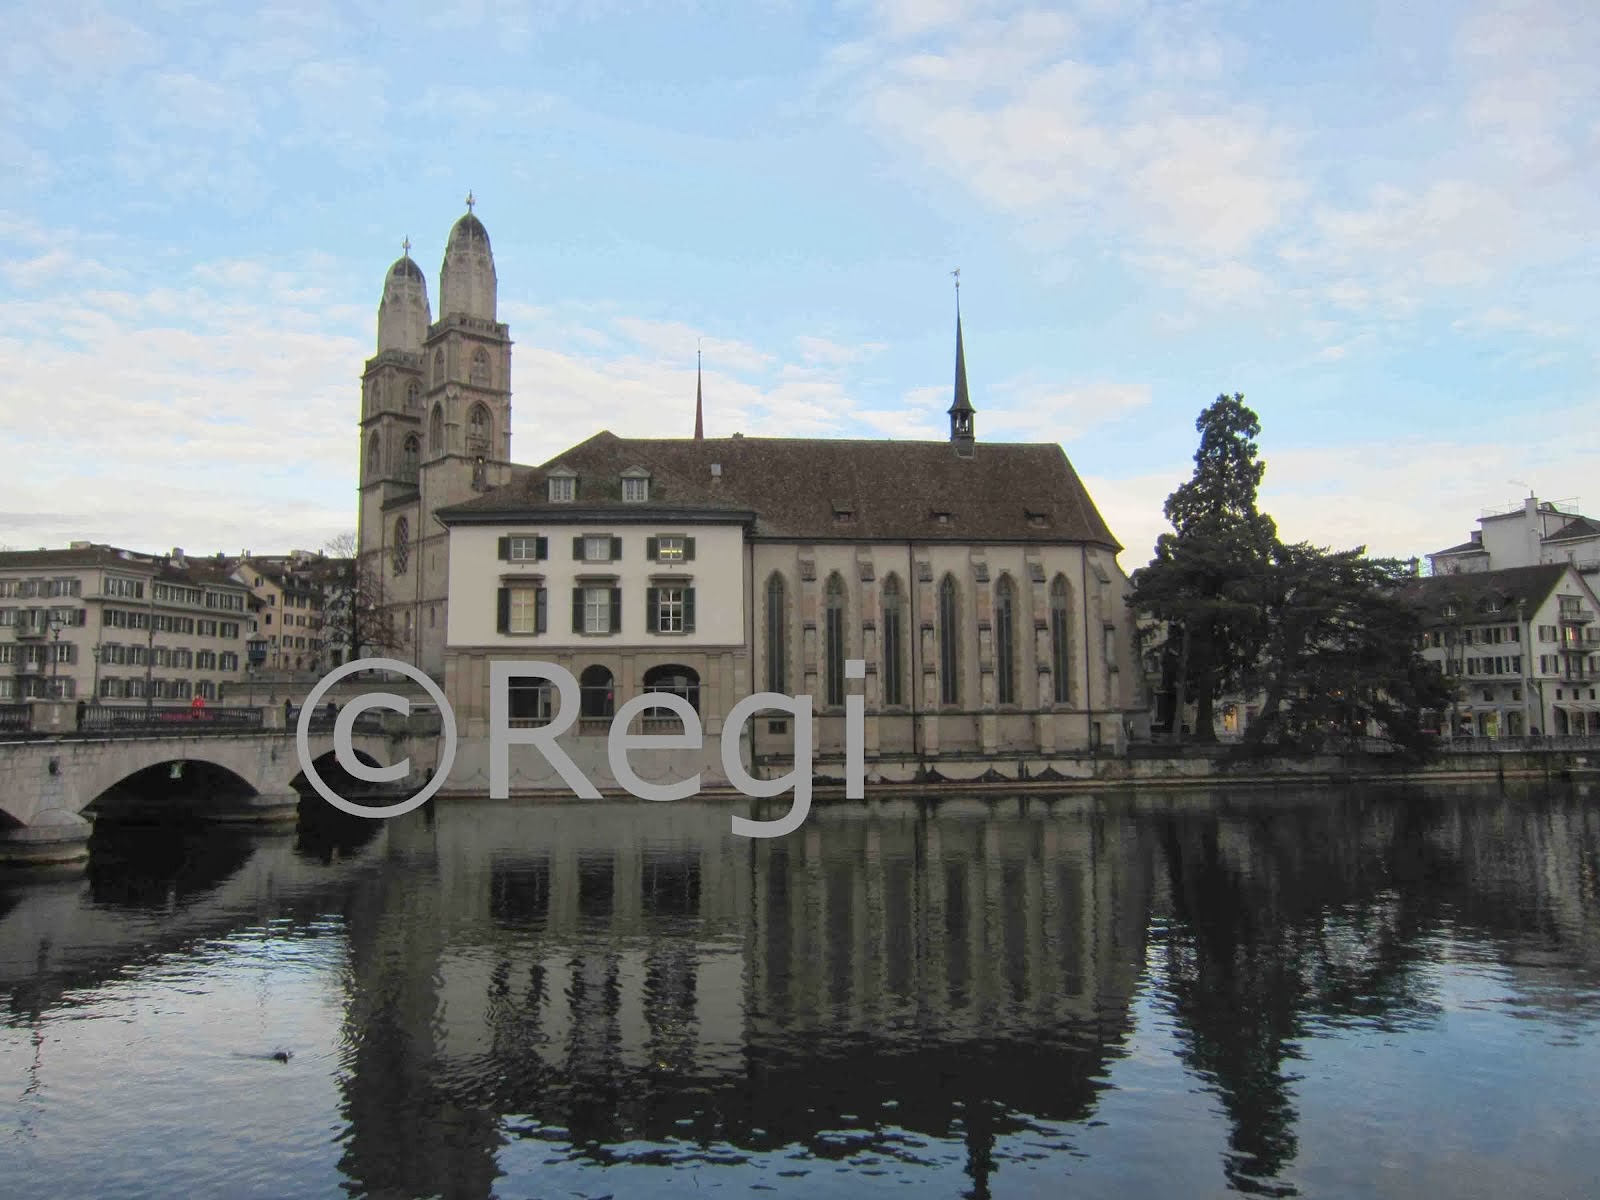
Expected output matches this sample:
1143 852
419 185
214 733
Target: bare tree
356 613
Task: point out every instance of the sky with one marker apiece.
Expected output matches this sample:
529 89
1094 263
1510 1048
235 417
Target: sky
1376 221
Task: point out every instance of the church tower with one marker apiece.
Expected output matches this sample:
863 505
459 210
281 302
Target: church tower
436 430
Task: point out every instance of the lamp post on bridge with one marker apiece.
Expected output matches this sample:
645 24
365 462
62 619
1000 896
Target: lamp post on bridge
255 654
97 650
56 625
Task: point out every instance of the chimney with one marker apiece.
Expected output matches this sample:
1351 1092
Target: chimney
79 545
177 555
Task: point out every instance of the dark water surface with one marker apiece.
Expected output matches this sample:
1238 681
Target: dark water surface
1375 994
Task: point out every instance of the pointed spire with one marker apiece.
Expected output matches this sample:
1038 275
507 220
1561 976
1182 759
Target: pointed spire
960 410
699 408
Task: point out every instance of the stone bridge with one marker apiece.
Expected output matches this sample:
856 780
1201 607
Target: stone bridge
53 787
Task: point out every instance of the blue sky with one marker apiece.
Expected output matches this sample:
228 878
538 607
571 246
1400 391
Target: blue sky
1377 221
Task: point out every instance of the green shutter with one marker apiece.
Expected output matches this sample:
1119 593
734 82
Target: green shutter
688 549
616 610
505 549
577 610
651 600
540 616
688 610
577 548
502 619
542 550
652 548
616 549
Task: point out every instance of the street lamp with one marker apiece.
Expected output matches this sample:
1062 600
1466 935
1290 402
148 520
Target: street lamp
97 650
56 625
255 654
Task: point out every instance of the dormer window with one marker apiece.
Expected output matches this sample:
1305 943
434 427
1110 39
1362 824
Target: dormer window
635 485
563 485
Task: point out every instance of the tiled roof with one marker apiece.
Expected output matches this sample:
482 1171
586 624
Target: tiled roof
194 571
798 487
1470 589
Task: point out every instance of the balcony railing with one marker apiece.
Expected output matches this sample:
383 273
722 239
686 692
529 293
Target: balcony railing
1576 615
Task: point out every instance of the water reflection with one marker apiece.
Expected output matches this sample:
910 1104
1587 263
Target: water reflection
547 999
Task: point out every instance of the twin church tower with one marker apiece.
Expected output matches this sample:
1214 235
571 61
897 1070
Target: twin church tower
435 430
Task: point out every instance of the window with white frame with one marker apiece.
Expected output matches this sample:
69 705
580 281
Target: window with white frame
636 490
669 610
522 549
597 548
562 489
525 610
671 548
597 610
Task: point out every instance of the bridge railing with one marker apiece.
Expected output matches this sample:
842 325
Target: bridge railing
136 718
16 718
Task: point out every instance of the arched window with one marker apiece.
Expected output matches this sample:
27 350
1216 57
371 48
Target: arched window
597 691
374 458
478 430
413 396
681 681
894 642
402 545
1005 641
1060 663
438 366
410 452
436 431
777 637
833 642
949 641
480 367
375 393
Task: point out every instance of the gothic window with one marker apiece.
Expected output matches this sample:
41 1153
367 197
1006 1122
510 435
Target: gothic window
1005 641
894 642
478 430
413 396
409 454
436 431
1059 662
480 367
949 640
833 647
402 545
777 637
438 367
373 457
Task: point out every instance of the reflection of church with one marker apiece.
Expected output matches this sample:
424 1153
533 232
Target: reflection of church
976 580
641 977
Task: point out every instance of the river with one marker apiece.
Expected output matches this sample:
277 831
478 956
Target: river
1364 993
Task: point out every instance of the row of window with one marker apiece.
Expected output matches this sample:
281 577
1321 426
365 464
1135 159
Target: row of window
123 618
948 627
133 688
596 609
40 588
596 548
39 620
562 486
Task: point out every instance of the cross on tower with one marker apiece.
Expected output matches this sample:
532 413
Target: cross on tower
470 201
406 245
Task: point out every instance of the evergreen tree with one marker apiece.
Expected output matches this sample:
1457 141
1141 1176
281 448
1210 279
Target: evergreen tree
1206 582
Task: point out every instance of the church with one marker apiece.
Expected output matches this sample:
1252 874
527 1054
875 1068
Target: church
976 581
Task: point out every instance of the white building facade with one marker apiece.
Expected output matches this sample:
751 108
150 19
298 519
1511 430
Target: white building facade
1524 643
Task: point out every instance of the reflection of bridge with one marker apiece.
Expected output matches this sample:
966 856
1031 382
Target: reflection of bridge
51 787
